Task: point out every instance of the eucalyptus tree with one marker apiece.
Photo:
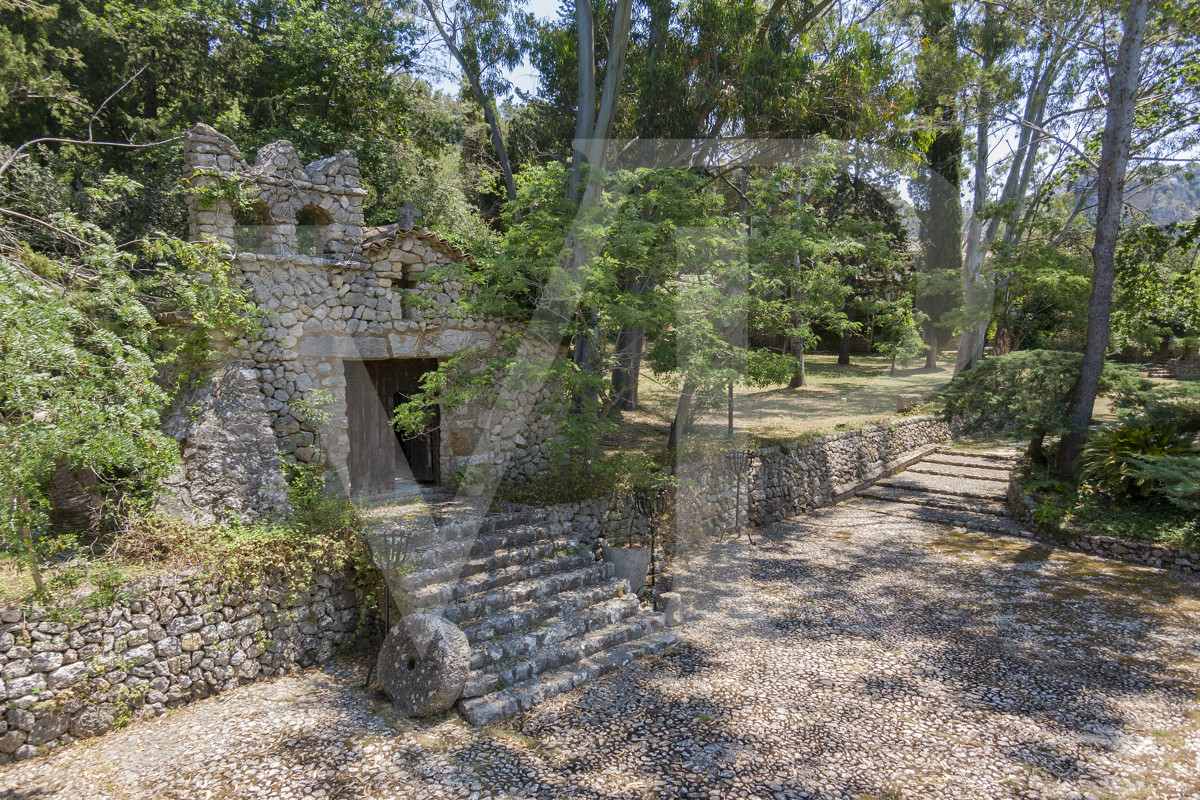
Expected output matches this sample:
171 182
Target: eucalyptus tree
485 38
1124 88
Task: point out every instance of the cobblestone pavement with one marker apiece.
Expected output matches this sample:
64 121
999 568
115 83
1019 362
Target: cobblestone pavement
848 655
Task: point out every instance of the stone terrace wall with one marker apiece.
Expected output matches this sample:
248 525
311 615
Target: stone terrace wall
784 481
1147 554
177 639
173 640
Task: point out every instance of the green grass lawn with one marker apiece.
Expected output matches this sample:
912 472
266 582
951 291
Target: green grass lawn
860 394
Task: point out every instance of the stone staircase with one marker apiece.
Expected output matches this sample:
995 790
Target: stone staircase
951 486
541 613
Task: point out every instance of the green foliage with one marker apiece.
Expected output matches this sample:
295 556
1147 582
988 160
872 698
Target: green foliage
85 367
1042 304
1067 509
900 331
801 258
472 474
1144 455
1026 391
1158 289
317 511
648 251
768 368
606 475
324 533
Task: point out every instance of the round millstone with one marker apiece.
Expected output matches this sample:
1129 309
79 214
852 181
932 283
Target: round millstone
423 664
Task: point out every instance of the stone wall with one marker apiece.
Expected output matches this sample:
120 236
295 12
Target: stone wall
336 291
232 468
1149 554
783 481
173 640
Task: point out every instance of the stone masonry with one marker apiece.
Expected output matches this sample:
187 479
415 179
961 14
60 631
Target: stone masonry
332 291
169 641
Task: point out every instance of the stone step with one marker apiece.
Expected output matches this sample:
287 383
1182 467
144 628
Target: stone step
394 539
521 697
1004 456
552 658
499 560
495 601
948 502
941 484
960 471
525 643
988 523
454 590
537 611
485 544
958 460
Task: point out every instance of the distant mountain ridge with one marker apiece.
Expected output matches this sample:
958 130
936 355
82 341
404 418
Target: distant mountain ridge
1165 198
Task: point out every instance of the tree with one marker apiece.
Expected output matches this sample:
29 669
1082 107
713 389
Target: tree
935 191
1026 391
1156 290
484 39
800 260
1041 302
85 369
1114 158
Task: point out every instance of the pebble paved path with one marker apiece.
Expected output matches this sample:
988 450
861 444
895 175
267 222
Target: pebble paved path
850 654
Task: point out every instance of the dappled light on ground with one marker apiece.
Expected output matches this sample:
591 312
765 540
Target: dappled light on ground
849 654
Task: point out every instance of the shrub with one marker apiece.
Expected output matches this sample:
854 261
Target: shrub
1144 455
1026 392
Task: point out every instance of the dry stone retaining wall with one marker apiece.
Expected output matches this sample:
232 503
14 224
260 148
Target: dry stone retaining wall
171 641
784 480
176 639
1149 554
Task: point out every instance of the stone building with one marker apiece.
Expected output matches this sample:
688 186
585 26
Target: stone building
353 318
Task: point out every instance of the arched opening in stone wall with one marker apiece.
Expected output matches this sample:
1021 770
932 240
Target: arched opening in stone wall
313 231
254 229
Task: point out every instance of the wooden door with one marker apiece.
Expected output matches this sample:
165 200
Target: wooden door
396 381
373 445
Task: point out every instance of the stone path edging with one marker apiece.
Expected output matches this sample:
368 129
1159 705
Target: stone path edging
1149 554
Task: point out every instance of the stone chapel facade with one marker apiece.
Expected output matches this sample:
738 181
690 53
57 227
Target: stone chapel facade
353 318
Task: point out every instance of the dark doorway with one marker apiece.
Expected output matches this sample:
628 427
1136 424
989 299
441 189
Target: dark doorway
379 456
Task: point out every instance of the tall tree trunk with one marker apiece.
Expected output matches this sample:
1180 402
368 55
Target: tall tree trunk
936 192
931 339
585 114
682 424
798 377
971 342
593 123
628 367
1110 190
844 350
485 100
588 145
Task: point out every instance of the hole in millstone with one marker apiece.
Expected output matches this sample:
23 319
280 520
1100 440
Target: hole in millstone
411 663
